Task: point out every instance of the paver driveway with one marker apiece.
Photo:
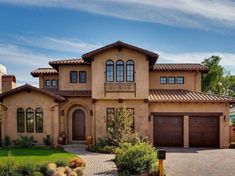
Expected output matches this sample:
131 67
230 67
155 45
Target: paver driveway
200 162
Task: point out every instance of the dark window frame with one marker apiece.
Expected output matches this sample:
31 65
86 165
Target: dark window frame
133 76
46 83
163 77
169 78
80 81
71 79
106 70
54 80
118 65
19 114
27 120
38 112
178 81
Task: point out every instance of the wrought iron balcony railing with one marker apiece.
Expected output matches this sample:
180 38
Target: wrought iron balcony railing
120 87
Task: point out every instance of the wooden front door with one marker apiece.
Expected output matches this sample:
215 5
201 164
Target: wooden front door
168 131
79 125
204 131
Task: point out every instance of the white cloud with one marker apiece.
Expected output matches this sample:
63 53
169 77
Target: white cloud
205 14
228 59
57 44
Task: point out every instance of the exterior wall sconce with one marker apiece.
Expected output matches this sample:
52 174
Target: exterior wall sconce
225 118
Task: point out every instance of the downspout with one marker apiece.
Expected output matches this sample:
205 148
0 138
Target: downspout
94 124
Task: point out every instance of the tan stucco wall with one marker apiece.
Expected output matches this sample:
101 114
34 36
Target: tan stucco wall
140 110
141 74
192 80
68 108
196 107
33 100
232 133
64 77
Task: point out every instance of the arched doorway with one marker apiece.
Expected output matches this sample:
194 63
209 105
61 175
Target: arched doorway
78 125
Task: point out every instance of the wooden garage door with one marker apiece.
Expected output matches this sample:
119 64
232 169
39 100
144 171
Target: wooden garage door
204 132
168 131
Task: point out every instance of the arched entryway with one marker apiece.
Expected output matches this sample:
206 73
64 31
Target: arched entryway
78 125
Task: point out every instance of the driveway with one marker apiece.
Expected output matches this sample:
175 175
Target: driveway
200 162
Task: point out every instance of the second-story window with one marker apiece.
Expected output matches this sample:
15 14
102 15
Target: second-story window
163 80
171 80
120 71
48 83
54 83
73 77
109 71
180 80
82 77
130 71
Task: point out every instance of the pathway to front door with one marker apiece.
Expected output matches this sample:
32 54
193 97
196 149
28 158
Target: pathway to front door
96 163
200 162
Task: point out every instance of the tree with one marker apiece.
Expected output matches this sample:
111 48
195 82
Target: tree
218 80
119 127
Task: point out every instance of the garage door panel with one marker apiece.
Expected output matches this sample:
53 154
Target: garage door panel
204 131
168 131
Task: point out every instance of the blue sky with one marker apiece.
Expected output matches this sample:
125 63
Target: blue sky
183 31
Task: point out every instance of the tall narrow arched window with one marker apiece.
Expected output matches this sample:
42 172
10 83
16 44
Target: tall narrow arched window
130 70
20 120
120 71
109 71
39 120
29 120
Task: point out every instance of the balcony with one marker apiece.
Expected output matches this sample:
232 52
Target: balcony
120 87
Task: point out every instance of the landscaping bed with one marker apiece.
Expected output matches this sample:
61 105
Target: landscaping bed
39 161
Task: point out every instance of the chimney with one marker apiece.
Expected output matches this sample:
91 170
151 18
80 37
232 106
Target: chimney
8 82
3 71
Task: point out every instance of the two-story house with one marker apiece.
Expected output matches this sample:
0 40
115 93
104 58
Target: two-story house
78 96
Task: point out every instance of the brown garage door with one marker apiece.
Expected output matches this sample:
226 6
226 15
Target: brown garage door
168 131
204 132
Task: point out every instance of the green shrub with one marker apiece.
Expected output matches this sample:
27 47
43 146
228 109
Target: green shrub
8 168
26 168
47 140
42 167
136 159
61 163
37 174
7 141
25 141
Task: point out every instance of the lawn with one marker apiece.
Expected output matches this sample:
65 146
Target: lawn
36 154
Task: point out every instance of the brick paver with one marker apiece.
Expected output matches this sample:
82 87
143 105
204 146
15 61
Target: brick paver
200 162
96 163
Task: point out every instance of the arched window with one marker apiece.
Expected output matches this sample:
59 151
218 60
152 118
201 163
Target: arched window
109 71
39 120
29 120
130 69
20 120
120 71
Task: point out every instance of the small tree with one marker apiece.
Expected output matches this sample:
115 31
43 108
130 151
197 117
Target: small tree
119 127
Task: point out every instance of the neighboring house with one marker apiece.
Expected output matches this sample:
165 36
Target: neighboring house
232 115
78 96
3 71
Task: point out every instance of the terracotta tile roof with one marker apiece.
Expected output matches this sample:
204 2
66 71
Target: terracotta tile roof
28 87
119 44
180 95
80 61
44 71
179 67
71 93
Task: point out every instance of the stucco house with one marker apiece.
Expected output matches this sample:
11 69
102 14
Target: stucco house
78 96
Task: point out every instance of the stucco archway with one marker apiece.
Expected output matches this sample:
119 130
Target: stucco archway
70 116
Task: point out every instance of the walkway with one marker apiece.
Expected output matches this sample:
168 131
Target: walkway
96 163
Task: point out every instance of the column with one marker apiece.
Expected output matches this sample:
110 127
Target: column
186 131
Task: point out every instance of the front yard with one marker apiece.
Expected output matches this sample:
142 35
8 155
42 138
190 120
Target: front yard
35 155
